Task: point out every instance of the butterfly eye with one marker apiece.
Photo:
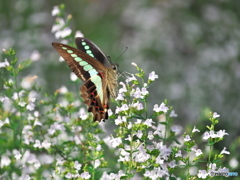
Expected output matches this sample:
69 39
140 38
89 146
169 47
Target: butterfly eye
114 67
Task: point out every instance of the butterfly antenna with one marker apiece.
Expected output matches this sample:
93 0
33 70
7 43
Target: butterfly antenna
122 53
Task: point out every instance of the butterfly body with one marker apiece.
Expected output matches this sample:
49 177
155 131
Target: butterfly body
98 74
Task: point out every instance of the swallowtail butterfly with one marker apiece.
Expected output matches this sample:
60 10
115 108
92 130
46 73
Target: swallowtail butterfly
99 75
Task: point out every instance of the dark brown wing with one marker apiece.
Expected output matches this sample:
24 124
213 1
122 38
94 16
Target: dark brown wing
75 57
97 100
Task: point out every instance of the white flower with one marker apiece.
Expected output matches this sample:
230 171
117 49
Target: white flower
123 89
85 175
77 165
221 133
148 122
159 160
35 56
134 64
187 138
55 11
73 76
137 93
46 144
130 79
120 120
144 91
215 115
17 154
139 134
202 174
177 129
120 97
63 33
173 114
162 108
5 161
152 76
138 105
224 151
79 34
4 64
83 114
206 135
63 90
96 163
195 130
115 142
172 164
150 135
178 154
60 24
212 166
198 152
141 155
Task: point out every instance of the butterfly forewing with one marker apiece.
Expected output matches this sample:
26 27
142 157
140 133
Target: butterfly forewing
90 64
92 50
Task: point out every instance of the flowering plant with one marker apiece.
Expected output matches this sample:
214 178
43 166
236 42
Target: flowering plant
51 136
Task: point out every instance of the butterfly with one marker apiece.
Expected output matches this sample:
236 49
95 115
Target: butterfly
97 72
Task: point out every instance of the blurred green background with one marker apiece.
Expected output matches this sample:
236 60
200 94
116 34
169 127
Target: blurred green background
193 46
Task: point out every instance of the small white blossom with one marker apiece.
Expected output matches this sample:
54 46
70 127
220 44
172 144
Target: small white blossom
202 174
212 166
96 163
4 64
120 97
178 154
73 76
130 79
198 152
63 90
195 129
172 164
138 105
35 56
129 126
69 175
141 155
5 161
139 134
215 115
77 165
134 64
17 154
162 108
115 142
206 135
83 114
63 33
148 122
187 138
173 114
221 133
55 11
150 135
120 120
46 144
144 91
85 175
79 34
110 112
152 76
224 151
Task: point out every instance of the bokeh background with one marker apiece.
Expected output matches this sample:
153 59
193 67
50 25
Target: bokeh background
194 47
